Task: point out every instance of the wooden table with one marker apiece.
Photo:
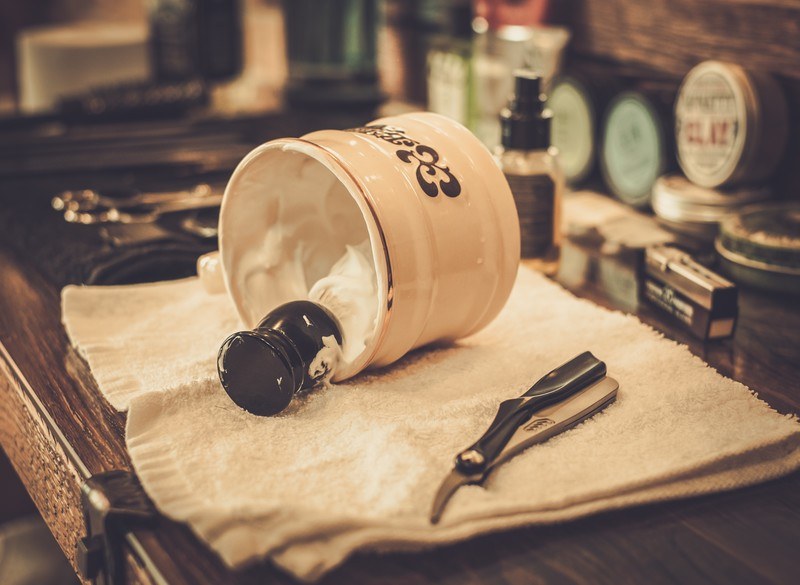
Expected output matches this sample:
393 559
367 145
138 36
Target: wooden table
58 431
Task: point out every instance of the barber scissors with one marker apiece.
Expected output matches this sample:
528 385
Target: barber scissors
560 400
90 207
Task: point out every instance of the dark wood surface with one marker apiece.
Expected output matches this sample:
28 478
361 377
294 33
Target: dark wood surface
57 429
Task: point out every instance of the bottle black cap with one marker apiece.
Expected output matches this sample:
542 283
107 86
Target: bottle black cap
525 123
261 370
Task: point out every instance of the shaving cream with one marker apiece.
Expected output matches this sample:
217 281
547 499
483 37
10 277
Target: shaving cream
349 292
312 245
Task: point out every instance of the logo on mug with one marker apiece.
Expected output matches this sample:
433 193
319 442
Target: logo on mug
431 174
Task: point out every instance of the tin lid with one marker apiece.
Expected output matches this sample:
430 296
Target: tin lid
633 148
760 246
730 124
676 199
765 234
573 127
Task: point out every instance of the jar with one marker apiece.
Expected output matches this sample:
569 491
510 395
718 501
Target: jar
578 101
760 246
730 125
418 192
634 149
696 211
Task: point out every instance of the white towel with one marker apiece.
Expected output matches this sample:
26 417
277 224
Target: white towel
355 466
148 337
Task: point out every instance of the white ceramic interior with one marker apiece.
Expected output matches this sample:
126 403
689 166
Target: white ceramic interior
288 213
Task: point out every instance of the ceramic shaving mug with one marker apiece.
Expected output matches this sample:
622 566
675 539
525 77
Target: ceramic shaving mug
418 191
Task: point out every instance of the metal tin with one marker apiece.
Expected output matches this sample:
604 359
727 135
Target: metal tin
578 101
694 210
574 127
730 125
760 246
633 150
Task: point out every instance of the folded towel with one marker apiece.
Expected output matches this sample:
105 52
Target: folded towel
148 337
356 465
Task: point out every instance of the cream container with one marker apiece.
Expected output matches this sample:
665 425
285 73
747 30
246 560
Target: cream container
578 101
760 246
697 211
634 148
730 125
417 194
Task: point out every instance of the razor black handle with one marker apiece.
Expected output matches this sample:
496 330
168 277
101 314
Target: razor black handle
559 384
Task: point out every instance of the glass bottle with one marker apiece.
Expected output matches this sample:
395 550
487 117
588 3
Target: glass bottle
530 164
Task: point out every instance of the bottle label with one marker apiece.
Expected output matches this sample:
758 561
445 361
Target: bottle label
535 196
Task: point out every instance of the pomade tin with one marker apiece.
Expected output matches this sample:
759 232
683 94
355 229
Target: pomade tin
574 124
578 100
760 246
633 150
730 124
696 211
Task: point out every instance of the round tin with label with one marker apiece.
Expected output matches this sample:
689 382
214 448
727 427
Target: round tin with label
574 133
690 209
633 150
730 125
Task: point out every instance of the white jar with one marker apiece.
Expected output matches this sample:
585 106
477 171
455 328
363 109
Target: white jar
437 212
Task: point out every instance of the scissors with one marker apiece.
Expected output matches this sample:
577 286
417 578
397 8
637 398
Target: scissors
84 200
560 400
144 214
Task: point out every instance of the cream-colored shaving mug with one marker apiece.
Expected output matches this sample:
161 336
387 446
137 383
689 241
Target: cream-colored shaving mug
426 195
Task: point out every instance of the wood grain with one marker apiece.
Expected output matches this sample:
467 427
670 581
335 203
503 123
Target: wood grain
41 463
14 499
674 35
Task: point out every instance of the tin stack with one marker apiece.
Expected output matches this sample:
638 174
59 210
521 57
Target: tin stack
730 134
760 246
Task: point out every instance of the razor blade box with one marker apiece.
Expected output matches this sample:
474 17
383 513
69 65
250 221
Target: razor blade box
702 301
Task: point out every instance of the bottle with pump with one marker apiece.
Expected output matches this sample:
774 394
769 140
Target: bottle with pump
530 164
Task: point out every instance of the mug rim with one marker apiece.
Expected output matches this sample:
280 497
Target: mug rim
377 238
